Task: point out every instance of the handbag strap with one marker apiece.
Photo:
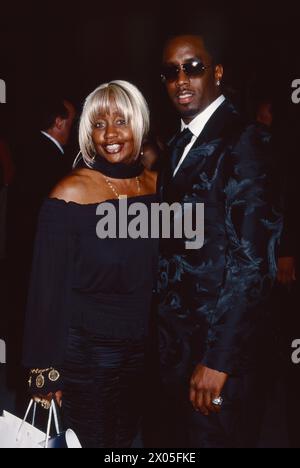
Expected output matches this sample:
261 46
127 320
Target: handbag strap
52 415
52 412
26 416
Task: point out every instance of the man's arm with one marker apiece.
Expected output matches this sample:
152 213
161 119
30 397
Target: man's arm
253 232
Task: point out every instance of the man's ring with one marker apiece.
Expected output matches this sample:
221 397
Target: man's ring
217 401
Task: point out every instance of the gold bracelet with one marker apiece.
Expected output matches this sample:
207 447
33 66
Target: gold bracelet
39 371
53 376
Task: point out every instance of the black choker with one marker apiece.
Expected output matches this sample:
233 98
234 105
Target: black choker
118 170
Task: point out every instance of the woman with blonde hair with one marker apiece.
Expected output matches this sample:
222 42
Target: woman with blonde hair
89 299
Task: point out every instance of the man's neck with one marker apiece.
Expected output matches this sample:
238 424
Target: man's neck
54 139
200 120
188 120
55 136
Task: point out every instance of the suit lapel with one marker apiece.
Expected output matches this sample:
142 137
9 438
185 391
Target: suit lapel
207 141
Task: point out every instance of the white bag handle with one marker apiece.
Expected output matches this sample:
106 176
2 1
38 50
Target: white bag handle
52 411
26 416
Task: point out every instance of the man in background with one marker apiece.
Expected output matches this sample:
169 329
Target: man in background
44 160
40 165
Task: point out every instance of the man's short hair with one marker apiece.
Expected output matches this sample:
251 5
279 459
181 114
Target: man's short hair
51 110
213 35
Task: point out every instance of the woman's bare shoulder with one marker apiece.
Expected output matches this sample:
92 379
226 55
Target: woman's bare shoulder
73 187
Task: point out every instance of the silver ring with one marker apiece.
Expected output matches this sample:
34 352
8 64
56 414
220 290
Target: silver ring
217 401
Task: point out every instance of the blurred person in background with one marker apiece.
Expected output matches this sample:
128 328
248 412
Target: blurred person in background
287 294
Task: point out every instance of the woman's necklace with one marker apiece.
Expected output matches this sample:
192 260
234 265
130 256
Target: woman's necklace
118 195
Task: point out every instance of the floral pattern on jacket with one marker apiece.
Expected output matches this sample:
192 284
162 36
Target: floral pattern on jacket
211 300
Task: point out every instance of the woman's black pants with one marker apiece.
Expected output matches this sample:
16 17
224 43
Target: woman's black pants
103 389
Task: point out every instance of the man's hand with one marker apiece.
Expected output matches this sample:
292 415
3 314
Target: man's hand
286 270
206 384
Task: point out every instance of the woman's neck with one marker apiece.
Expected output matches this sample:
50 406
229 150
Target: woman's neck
118 170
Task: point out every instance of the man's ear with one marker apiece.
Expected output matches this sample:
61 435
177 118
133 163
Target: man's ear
59 123
219 71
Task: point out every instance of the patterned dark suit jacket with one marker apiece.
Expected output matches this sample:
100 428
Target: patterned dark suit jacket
211 299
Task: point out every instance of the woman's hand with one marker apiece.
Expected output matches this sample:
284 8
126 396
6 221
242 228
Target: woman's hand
45 400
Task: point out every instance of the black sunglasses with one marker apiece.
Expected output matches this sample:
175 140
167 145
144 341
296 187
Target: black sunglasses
194 68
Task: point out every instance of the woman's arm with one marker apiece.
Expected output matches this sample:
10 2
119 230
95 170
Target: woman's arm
47 315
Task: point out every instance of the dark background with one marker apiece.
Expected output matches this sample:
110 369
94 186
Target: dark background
70 49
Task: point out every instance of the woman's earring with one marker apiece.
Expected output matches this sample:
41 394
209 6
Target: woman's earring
218 82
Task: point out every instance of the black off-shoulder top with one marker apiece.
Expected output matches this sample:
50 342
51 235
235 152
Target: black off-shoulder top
79 280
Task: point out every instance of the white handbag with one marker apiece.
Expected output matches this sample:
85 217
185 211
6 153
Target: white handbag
17 433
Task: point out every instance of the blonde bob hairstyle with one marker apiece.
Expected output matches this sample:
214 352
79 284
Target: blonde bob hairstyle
129 102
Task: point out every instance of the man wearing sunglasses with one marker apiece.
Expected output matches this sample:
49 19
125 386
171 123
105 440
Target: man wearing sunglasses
211 300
